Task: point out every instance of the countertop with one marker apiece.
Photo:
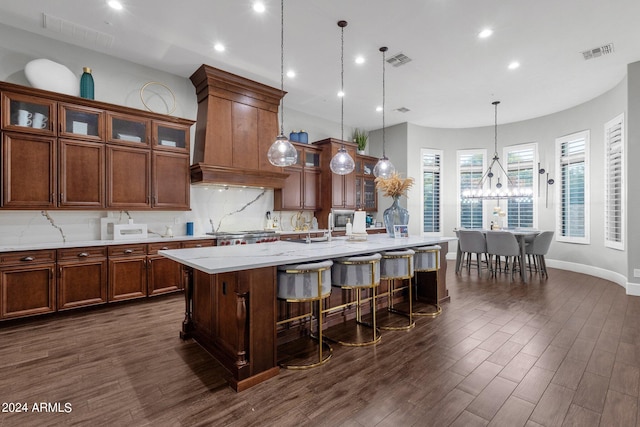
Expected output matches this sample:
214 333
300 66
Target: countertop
90 243
221 259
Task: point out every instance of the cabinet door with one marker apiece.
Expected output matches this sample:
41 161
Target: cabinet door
128 177
128 130
291 194
165 275
85 123
171 181
127 278
27 290
82 277
81 174
171 137
28 171
369 194
25 113
311 190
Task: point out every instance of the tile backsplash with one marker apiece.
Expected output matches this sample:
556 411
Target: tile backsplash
213 208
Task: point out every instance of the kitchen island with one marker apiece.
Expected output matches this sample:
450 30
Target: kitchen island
231 304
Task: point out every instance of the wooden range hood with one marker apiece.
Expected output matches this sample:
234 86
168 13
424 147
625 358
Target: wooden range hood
237 123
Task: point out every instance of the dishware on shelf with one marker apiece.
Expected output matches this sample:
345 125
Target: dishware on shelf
80 128
39 121
131 138
24 118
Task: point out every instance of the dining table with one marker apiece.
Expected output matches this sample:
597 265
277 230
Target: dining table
520 234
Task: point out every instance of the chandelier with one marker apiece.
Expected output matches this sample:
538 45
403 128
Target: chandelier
483 190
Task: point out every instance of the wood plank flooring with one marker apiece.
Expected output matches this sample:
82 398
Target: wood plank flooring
558 352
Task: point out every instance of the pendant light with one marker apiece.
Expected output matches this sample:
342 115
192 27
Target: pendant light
342 163
282 152
384 168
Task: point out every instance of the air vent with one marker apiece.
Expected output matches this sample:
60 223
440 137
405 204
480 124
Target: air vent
402 110
398 59
598 51
84 34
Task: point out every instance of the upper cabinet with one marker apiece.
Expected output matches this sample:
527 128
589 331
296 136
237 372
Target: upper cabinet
301 190
366 193
64 152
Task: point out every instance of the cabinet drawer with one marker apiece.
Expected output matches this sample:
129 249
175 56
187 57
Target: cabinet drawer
127 250
155 247
27 257
79 254
198 243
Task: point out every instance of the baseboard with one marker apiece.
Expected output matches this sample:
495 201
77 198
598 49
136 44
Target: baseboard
612 276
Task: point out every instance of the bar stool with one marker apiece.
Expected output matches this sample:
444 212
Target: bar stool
398 265
357 273
426 259
300 283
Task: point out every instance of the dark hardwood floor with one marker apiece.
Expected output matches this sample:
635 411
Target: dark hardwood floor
562 351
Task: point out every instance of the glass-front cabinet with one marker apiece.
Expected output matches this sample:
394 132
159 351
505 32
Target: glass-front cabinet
366 193
170 137
80 122
128 130
28 113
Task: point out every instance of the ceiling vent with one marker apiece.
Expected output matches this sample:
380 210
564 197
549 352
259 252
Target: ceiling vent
83 34
598 51
402 110
398 59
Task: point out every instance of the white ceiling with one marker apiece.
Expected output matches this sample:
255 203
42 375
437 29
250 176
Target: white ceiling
451 81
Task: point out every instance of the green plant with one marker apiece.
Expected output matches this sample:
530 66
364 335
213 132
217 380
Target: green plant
360 137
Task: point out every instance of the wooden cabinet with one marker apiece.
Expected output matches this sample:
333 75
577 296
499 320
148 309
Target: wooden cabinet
165 275
64 152
82 277
366 193
127 272
27 283
301 190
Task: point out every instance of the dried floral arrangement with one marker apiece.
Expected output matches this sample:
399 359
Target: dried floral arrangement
394 185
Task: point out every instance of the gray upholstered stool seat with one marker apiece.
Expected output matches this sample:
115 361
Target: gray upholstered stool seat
309 282
425 260
357 273
398 265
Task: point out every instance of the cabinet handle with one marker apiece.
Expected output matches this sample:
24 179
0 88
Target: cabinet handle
28 259
164 248
60 127
59 272
198 246
128 251
83 254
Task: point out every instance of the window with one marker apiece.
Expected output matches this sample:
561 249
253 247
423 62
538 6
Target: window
520 162
572 152
614 183
471 165
431 173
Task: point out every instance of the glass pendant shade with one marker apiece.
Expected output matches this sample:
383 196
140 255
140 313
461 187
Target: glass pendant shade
384 168
282 152
342 163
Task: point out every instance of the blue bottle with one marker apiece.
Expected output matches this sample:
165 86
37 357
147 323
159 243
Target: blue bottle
86 84
294 136
303 137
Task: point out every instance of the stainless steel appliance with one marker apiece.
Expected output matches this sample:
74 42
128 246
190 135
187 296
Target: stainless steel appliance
228 238
340 217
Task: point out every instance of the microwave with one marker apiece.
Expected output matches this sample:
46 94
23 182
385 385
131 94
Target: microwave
339 218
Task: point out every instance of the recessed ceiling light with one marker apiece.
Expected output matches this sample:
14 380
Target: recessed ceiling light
259 7
485 33
378 108
291 74
359 59
514 65
115 4
340 94
219 47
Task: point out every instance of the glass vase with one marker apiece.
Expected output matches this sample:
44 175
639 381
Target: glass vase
395 215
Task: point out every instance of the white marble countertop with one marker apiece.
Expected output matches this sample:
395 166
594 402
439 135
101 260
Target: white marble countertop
92 243
221 259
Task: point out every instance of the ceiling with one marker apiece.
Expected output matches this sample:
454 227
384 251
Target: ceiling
450 82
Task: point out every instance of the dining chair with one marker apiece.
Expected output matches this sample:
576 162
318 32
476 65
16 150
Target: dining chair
472 242
503 243
539 248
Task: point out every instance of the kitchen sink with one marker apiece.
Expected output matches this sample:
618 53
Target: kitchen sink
312 240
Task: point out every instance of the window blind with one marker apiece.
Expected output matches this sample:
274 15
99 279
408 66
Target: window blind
614 183
572 207
431 172
519 165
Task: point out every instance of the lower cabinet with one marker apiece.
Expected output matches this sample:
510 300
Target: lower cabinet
27 283
165 275
82 277
127 272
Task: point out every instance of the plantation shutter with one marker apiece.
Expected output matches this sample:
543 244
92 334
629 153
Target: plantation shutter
431 163
572 207
614 183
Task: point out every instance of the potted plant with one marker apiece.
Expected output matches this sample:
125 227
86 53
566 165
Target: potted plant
360 137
